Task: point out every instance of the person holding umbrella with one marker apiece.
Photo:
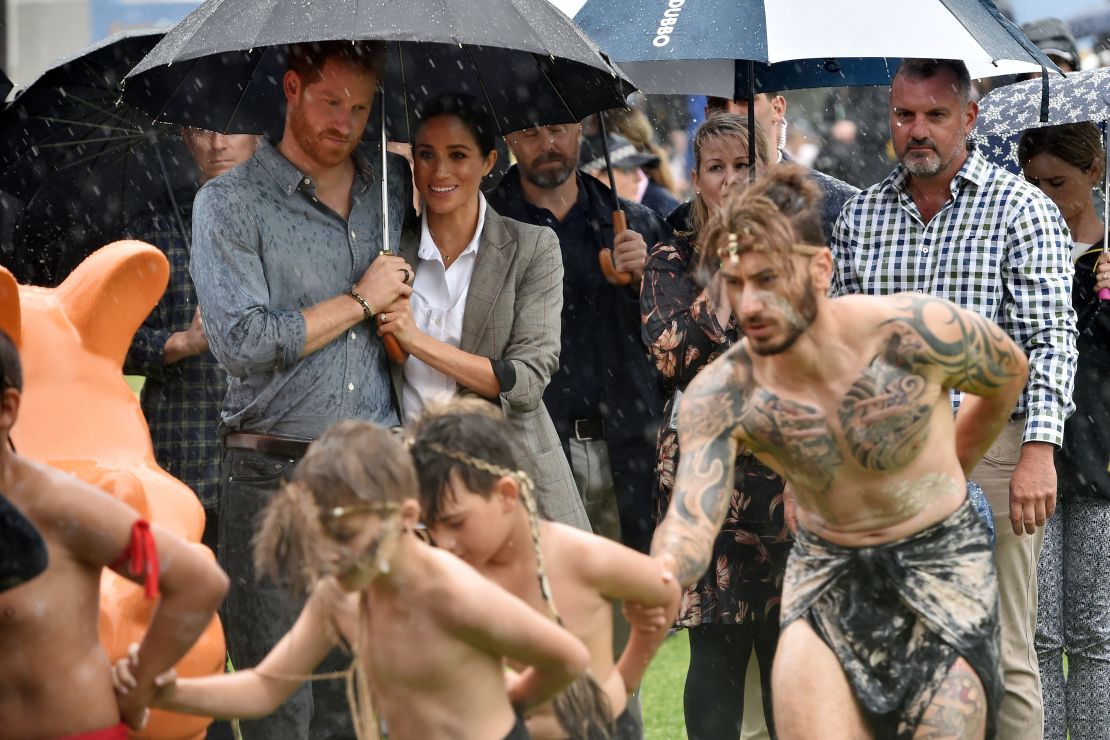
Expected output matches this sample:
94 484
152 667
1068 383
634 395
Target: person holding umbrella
184 386
605 399
948 223
288 276
483 317
1073 612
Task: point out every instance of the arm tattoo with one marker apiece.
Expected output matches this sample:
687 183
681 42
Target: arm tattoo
703 484
979 360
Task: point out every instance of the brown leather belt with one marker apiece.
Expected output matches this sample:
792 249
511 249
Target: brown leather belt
266 444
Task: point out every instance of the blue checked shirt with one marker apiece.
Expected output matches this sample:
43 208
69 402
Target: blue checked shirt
181 401
999 248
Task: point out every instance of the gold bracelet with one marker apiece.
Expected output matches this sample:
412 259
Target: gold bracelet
367 314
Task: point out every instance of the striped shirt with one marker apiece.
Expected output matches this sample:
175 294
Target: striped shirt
998 247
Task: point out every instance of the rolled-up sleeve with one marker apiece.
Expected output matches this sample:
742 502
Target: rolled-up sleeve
244 333
1038 275
533 347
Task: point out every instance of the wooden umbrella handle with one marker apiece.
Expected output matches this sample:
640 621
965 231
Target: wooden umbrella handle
393 349
605 256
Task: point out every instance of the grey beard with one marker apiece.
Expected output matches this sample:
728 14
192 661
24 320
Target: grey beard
549 179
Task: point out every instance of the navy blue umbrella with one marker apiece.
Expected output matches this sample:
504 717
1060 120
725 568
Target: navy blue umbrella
737 48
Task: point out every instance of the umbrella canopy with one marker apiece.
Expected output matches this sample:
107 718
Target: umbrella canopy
84 166
5 86
221 67
1081 96
677 46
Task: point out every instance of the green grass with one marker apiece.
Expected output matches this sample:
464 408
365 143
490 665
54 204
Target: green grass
661 692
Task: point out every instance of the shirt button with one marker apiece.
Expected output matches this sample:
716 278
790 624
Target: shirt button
350 386
352 235
352 336
919 290
307 181
924 250
437 322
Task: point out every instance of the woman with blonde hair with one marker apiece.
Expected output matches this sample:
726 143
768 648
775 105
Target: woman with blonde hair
733 609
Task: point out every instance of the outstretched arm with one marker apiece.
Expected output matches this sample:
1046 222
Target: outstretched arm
254 692
709 415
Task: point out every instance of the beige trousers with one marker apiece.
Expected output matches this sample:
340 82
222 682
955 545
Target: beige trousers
1021 716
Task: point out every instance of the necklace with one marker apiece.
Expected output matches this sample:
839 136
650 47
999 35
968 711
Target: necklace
446 257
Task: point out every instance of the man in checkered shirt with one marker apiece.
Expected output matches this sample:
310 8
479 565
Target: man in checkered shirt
948 223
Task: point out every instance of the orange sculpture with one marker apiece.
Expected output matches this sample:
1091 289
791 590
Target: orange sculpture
79 415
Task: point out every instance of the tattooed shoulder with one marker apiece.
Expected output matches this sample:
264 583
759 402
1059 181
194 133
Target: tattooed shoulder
970 352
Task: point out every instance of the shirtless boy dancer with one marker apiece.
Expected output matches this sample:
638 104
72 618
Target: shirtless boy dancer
55 678
890 605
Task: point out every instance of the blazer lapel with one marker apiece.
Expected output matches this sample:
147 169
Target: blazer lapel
495 256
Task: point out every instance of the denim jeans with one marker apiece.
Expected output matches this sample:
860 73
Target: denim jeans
258 613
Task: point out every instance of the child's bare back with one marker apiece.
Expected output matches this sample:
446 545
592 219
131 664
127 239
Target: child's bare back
54 675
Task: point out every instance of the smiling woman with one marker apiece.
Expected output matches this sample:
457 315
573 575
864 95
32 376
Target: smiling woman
484 315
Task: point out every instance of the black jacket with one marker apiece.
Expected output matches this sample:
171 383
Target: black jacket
632 395
1083 462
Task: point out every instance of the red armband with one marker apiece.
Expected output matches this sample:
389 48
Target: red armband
141 556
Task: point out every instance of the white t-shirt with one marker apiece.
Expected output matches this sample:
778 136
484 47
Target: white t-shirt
1078 249
438 304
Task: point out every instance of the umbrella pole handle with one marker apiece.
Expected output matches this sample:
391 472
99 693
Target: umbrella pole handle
393 348
605 256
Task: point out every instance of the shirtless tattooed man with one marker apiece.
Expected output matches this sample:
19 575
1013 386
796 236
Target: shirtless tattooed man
889 610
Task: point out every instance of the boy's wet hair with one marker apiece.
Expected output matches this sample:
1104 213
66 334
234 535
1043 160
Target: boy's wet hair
355 467
468 427
777 214
308 59
10 365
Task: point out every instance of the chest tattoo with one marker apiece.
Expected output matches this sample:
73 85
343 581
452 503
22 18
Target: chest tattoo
795 434
883 415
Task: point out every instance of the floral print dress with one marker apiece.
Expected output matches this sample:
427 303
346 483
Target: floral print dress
744 581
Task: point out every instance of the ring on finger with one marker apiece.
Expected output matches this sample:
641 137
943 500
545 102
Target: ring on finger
381 317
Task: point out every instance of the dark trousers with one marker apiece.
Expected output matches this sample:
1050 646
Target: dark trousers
257 614
714 696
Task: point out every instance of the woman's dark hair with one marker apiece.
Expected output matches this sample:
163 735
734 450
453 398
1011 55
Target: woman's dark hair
475 116
11 370
1078 144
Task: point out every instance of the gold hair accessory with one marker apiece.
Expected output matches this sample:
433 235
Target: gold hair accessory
370 507
732 249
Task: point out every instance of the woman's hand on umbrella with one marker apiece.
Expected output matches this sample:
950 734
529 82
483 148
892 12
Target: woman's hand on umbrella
397 320
1102 272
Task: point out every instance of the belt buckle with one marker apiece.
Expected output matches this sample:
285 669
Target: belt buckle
584 436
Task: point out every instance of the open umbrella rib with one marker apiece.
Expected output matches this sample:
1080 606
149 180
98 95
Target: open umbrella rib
482 84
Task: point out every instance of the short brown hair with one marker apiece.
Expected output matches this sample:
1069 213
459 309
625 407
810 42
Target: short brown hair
1078 144
925 69
308 59
775 213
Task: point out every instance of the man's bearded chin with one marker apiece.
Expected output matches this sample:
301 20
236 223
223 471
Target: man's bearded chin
548 178
804 315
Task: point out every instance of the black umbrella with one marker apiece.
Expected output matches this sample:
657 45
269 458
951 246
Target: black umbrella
5 86
221 67
84 166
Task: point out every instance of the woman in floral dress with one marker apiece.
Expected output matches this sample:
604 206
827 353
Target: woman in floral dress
734 608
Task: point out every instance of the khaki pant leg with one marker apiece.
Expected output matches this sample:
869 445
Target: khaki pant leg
755 725
1021 716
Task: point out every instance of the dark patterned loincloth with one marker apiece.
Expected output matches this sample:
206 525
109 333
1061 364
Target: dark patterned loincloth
898 615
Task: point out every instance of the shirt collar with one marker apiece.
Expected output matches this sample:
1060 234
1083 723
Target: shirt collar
428 249
974 171
290 179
